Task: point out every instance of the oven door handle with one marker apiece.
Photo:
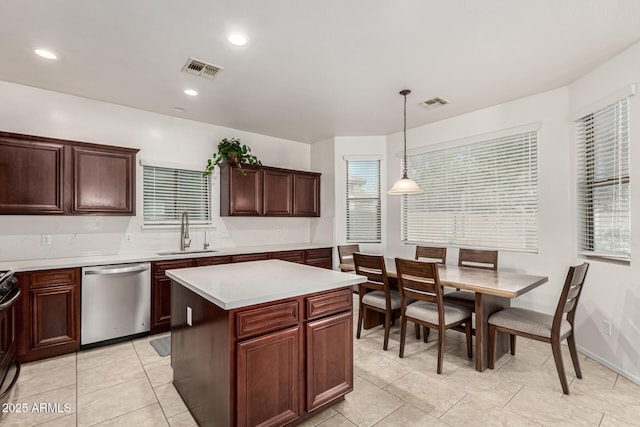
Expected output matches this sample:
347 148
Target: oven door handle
133 269
13 299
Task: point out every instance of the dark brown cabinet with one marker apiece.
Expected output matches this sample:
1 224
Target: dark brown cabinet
306 194
53 176
48 314
277 191
268 191
103 181
269 364
321 257
161 294
31 176
269 379
250 257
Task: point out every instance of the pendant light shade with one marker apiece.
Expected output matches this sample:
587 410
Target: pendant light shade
405 186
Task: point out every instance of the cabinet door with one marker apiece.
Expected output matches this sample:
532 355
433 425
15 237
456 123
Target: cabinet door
161 294
322 257
104 181
31 176
306 194
268 387
277 192
240 194
55 317
329 359
160 304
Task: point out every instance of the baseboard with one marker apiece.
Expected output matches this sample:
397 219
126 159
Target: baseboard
617 369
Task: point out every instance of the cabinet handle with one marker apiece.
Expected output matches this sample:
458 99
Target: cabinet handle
133 269
13 299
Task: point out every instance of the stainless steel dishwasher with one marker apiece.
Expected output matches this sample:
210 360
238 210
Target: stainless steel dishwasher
116 302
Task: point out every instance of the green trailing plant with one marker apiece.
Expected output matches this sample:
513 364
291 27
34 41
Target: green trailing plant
230 150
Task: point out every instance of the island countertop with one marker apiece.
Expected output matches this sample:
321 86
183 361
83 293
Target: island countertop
239 285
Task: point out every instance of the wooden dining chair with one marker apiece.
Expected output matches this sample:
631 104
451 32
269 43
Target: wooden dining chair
345 253
473 258
432 254
419 280
375 294
545 327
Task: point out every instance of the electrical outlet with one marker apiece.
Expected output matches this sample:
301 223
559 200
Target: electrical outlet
45 240
606 327
128 237
225 235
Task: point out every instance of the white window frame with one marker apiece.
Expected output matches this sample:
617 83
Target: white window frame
197 201
604 179
357 230
471 200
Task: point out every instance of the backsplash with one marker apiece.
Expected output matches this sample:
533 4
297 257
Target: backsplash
72 236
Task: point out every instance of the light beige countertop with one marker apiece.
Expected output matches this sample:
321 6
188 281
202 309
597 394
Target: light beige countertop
239 285
151 255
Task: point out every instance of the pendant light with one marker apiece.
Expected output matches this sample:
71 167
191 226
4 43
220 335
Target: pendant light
405 185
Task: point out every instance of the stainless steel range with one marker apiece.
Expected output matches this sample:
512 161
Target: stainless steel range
9 366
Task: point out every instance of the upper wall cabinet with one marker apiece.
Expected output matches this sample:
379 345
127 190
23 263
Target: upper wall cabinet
52 176
267 191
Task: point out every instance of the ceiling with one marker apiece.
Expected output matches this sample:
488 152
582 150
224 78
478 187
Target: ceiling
312 69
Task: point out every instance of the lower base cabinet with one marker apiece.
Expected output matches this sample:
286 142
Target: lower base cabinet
268 379
48 314
271 364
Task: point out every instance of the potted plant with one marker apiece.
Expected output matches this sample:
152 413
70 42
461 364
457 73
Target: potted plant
230 150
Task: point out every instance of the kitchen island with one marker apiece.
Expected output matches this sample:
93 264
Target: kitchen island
264 342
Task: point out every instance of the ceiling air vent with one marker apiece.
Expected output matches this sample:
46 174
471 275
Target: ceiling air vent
434 103
201 68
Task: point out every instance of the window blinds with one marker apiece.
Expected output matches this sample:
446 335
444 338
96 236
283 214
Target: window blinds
483 194
603 182
168 192
363 201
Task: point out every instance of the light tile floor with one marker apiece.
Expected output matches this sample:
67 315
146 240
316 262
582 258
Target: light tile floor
128 384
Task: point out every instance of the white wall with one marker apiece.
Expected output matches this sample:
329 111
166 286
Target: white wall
613 290
357 146
35 111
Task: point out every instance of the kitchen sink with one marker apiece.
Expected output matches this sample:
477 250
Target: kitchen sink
201 251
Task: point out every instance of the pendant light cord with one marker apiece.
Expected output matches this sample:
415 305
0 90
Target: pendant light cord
404 164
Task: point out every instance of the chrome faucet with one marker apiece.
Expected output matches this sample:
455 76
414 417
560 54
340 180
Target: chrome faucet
185 241
206 242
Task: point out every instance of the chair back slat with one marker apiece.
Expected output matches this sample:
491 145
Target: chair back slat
345 253
570 294
431 254
476 258
373 268
419 280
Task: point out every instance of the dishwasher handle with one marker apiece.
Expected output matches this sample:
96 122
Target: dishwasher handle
136 268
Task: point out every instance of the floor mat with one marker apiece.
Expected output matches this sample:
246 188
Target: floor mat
162 345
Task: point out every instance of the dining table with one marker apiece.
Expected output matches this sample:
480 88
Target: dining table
494 290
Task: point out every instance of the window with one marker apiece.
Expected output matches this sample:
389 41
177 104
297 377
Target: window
167 192
603 182
482 194
363 201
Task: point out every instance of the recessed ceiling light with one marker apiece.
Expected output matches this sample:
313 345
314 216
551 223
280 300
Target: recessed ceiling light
238 39
191 92
45 53
179 109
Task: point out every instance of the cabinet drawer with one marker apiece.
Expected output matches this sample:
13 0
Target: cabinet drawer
267 319
41 279
213 260
162 266
326 304
293 256
319 253
249 257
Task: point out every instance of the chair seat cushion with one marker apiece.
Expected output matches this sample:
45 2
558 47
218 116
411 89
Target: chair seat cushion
377 299
460 296
428 312
528 321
